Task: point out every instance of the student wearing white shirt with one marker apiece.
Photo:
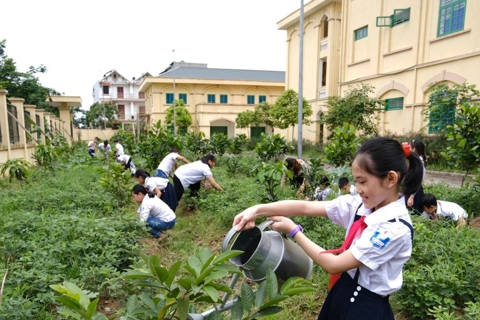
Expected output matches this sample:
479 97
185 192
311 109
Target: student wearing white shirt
118 149
345 187
191 175
127 162
105 147
168 163
153 211
92 144
161 187
432 208
379 231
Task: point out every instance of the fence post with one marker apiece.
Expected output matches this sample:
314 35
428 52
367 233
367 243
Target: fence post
4 122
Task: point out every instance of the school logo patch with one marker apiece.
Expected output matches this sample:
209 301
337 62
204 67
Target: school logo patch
381 237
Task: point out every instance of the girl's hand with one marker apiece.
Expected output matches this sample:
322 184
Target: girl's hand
245 219
282 224
410 201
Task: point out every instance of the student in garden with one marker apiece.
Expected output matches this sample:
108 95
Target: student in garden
105 147
153 211
414 201
191 175
298 168
168 163
118 149
379 237
161 187
92 144
345 186
127 163
433 208
323 189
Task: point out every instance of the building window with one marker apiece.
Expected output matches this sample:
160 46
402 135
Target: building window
394 104
218 129
169 98
361 33
223 98
250 99
183 96
440 118
106 90
141 95
37 122
120 92
262 99
28 124
13 130
256 132
211 98
451 17
399 16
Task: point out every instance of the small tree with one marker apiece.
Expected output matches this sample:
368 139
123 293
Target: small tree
285 110
342 146
183 116
464 133
261 115
95 115
356 108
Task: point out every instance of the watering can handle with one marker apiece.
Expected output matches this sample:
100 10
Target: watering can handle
231 233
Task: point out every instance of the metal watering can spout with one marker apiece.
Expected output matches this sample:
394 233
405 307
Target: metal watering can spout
263 250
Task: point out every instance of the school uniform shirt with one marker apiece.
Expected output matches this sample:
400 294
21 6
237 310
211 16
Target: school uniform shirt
192 173
154 207
119 149
101 146
91 144
383 247
126 158
166 165
449 210
155 182
304 169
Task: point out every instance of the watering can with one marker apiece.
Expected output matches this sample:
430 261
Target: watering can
263 250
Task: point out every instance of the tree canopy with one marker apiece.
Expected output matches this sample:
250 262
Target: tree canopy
183 116
25 85
354 107
94 116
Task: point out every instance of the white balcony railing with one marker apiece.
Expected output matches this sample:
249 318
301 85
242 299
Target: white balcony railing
125 95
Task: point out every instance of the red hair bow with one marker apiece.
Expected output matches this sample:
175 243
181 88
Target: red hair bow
406 149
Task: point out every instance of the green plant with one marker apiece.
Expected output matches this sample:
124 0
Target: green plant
219 143
183 117
196 143
16 168
270 175
45 156
313 175
117 182
342 146
77 302
237 144
128 141
272 147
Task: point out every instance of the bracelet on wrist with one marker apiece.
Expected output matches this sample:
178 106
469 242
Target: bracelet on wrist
295 230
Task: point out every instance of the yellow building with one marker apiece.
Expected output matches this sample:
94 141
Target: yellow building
214 97
400 47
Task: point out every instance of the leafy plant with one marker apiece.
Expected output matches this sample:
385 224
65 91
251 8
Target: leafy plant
270 175
117 182
77 302
128 141
272 147
45 156
219 143
236 144
342 146
196 143
183 117
15 168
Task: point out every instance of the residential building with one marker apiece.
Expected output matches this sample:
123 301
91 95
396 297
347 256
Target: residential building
214 97
399 47
116 89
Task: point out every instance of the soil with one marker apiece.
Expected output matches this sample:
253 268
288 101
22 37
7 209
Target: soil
450 178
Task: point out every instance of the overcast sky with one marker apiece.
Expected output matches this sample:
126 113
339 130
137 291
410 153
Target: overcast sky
79 41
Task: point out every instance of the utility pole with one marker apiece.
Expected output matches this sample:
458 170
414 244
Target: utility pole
300 86
174 104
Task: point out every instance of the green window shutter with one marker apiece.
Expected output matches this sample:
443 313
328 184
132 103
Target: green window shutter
211 98
250 99
262 99
169 98
394 104
223 98
440 118
183 96
256 132
218 129
400 16
451 16
384 21
361 33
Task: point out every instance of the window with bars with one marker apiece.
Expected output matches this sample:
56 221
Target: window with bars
37 121
218 129
361 33
169 98
13 130
394 104
399 16
440 118
28 124
211 98
451 17
223 98
250 99
106 89
183 96
262 99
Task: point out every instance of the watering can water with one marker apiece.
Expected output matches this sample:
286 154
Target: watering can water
265 250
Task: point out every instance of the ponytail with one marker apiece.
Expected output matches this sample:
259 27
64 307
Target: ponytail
142 173
414 175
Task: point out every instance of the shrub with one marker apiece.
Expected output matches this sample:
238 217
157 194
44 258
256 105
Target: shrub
272 147
342 146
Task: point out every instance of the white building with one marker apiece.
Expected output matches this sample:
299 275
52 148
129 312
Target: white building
116 89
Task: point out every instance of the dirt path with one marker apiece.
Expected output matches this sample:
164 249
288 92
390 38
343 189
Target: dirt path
450 178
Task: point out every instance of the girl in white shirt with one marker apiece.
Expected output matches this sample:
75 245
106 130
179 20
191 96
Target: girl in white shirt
168 163
127 163
191 175
153 211
161 187
379 229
